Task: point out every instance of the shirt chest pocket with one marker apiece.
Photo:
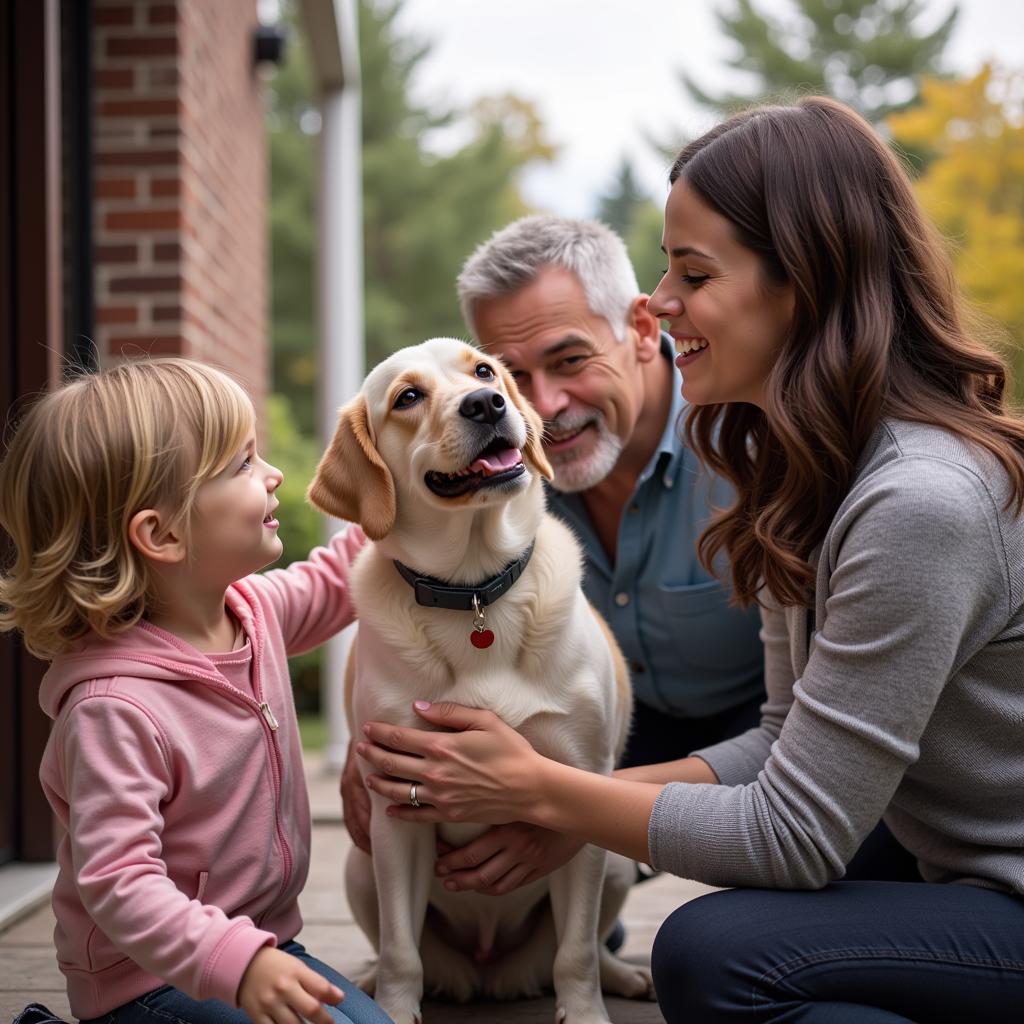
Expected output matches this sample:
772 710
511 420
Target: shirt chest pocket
704 633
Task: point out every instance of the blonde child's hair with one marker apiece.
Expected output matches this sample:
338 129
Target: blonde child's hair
84 460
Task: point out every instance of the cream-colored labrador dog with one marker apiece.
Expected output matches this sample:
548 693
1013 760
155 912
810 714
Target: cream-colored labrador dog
471 593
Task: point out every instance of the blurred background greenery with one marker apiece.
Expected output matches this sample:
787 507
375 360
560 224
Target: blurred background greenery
961 136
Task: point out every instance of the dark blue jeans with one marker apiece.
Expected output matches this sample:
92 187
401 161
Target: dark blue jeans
851 953
169 1005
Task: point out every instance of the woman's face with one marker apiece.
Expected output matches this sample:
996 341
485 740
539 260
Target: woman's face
728 321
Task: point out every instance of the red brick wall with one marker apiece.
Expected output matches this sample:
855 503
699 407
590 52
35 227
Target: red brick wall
181 185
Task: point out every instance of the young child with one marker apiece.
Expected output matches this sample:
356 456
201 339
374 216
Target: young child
139 510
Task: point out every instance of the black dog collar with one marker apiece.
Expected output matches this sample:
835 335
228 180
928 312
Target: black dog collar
435 593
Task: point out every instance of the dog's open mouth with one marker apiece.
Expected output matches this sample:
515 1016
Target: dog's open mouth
498 463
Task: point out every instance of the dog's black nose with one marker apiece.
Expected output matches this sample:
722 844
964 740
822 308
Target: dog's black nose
485 405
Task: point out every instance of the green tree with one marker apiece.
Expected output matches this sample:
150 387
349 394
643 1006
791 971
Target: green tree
643 240
291 126
620 207
870 54
424 213
296 455
637 219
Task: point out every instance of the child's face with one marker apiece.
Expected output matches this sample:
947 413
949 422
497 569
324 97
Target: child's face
233 530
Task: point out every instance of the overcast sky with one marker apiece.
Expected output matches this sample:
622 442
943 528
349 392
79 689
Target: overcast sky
603 74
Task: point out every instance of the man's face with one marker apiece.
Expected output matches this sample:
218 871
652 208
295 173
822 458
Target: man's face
585 383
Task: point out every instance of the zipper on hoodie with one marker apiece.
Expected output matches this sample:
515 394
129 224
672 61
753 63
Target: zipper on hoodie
276 763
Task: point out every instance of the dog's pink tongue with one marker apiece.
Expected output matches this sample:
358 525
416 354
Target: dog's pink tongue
491 464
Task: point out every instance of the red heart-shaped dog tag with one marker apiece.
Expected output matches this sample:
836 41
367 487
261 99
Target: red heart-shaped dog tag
481 638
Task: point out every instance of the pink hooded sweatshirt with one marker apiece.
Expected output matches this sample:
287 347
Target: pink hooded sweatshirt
183 798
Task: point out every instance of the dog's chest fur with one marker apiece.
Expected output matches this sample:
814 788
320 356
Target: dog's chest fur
547 656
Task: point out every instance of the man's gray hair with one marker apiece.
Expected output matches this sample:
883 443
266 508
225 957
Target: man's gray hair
513 257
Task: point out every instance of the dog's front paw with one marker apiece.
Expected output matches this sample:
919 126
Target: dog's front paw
581 1015
400 983
621 978
365 977
402 1016
402 1011
400 1002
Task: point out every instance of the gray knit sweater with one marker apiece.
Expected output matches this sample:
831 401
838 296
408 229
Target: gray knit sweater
905 702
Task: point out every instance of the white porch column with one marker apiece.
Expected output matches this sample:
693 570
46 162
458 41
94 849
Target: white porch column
339 288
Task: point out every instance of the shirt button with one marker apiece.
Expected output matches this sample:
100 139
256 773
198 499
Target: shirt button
667 481
633 509
622 599
636 667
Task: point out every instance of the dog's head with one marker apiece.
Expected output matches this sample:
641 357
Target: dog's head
441 422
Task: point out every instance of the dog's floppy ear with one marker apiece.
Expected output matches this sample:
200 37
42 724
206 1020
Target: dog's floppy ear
533 451
352 482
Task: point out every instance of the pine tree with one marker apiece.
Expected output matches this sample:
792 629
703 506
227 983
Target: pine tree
618 209
870 54
644 244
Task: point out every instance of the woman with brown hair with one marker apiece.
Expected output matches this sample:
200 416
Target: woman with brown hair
879 489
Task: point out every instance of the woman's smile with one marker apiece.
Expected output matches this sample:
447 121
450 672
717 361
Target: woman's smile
689 348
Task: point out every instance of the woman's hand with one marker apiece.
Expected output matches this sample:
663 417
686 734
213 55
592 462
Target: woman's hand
277 988
504 858
484 771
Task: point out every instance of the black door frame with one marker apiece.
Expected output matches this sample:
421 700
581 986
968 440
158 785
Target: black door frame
32 346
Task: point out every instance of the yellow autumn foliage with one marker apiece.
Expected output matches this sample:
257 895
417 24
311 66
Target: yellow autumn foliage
973 186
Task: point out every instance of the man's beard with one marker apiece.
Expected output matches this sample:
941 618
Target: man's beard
577 471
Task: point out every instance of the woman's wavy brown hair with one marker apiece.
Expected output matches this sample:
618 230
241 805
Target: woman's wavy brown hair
84 459
878 331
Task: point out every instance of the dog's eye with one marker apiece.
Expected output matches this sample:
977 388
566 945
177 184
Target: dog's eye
484 372
410 396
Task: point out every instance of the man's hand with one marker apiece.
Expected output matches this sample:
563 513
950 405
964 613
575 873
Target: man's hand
277 987
355 801
504 858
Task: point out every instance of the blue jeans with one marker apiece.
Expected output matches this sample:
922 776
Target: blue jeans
851 953
169 1005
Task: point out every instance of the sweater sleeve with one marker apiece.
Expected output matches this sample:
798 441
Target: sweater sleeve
918 583
117 773
312 598
738 760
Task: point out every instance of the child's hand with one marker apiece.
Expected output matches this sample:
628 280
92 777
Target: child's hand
277 986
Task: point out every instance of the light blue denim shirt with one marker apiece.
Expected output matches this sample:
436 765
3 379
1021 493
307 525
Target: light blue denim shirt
689 652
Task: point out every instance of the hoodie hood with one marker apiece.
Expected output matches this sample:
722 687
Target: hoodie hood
144 652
